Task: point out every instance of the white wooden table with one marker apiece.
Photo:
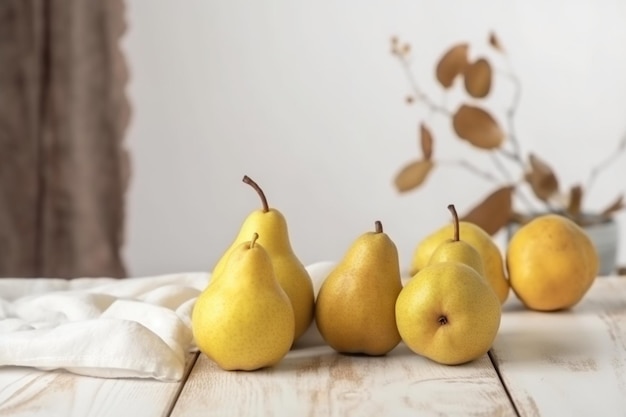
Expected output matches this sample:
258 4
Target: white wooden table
570 363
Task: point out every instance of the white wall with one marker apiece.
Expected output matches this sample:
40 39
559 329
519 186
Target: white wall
305 98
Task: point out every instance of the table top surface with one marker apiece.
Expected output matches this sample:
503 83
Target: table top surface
569 363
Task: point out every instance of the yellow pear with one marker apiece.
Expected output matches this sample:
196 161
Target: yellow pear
355 306
457 250
448 313
271 226
551 263
481 241
244 320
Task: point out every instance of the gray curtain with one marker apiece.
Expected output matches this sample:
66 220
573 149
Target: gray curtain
64 170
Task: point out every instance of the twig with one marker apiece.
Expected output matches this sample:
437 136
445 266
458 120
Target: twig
508 154
463 163
597 169
502 168
516 154
419 94
511 111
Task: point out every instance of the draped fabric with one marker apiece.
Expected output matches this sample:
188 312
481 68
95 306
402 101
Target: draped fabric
64 170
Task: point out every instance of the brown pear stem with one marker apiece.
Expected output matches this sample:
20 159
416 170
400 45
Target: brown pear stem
378 226
255 236
259 191
455 219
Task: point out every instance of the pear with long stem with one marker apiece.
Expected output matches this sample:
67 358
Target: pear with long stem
271 226
457 250
448 312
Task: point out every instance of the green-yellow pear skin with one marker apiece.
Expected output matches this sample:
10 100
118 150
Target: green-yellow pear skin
271 226
493 260
448 313
457 250
244 321
355 306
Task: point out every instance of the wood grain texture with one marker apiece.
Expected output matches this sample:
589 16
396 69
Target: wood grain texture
316 381
569 363
33 393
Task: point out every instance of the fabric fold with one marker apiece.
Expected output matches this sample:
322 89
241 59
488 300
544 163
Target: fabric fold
104 327
133 328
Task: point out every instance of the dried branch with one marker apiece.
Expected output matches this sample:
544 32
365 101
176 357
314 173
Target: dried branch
417 91
516 154
502 168
604 164
456 64
508 154
465 164
510 115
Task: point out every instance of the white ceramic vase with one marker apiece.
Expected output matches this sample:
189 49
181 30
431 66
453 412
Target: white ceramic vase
605 237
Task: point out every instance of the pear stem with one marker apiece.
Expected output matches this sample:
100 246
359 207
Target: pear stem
255 236
378 226
455 219
259 191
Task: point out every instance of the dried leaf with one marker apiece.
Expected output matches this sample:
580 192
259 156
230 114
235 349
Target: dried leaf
451 64
494 212
477 127
616 206
575 200
413 175
426 141
541 178
495 42
478 78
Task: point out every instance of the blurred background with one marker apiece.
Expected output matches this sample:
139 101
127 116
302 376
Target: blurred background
307 99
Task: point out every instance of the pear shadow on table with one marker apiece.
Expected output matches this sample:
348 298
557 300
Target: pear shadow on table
613 301
312 358
515 305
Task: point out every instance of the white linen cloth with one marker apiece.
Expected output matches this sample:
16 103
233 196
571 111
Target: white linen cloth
105 327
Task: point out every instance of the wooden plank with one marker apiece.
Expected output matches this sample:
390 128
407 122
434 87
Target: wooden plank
570 363
29 392
315 380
